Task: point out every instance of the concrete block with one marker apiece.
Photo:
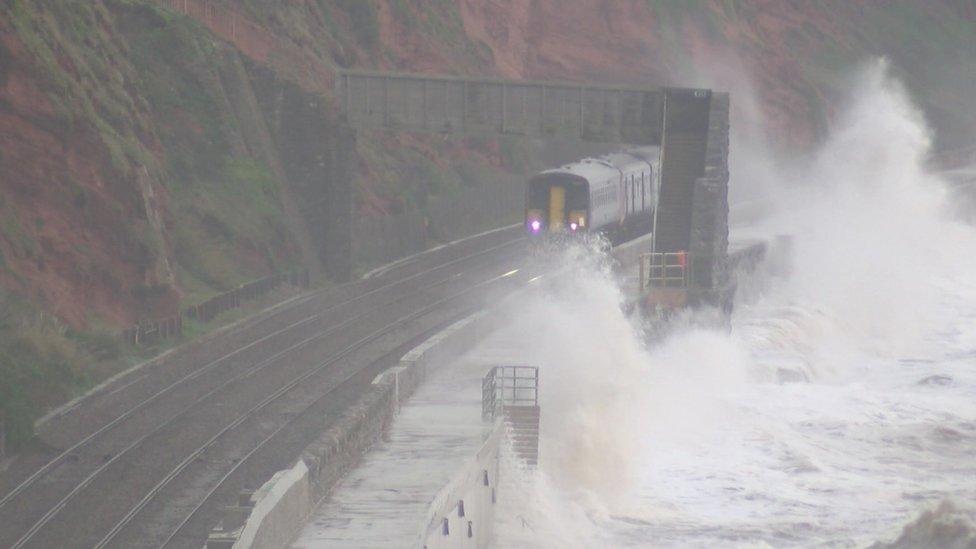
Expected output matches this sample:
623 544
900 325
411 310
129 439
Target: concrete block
281 504
279 509
463 512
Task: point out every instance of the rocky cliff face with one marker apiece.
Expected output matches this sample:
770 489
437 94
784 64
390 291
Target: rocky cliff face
155 152
127 179
139 169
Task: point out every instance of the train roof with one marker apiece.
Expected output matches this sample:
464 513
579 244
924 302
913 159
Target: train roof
608 165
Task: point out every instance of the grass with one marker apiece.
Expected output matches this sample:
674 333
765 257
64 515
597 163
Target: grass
107 70
42 363
222 203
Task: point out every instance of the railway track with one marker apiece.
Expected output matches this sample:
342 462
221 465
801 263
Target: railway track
179 448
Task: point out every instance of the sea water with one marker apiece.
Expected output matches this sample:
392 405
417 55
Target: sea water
839 407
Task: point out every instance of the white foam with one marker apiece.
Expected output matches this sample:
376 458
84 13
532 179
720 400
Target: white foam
697 442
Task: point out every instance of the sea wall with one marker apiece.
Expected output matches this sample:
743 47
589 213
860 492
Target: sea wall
280 506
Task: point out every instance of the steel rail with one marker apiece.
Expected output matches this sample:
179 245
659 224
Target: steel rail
245 373
51 513
57 460
271 398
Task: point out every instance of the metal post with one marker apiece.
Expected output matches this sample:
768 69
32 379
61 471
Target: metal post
366 97
524 117
345 79
504 90
386 101
542 111
620 115
581 98
423 90
464 104
640 281
447 105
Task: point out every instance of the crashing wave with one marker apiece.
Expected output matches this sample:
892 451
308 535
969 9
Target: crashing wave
945 527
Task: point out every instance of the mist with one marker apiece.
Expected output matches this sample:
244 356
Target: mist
698 441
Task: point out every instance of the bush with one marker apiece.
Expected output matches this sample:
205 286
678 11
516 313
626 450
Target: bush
40 365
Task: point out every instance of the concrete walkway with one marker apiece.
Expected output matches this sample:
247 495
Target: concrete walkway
383 502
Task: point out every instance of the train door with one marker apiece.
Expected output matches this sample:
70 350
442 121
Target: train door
557 207
626 194
643 193
633 194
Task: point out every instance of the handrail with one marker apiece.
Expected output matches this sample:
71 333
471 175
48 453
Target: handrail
664 270
509 386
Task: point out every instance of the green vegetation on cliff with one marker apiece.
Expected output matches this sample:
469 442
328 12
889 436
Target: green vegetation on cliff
167 200
148 162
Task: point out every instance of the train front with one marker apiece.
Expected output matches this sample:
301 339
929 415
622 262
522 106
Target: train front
557 205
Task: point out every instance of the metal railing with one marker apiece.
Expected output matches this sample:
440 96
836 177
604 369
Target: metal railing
665 270
153 331
509 386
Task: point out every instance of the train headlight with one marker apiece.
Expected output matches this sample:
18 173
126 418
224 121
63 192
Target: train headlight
572 226
536 225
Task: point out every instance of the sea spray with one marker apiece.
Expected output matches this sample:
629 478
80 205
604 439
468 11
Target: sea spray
698 442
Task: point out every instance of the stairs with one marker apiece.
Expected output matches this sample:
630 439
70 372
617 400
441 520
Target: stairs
686 136
512 393
522 427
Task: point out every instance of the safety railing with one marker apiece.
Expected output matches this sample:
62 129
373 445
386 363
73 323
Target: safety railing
664 270
509 386
152 331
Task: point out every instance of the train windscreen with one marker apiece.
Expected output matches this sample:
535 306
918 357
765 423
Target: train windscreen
557 203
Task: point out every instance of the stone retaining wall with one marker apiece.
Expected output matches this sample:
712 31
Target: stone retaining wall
282 504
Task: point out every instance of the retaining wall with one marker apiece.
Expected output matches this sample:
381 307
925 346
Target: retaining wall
283 503
463 513
280 507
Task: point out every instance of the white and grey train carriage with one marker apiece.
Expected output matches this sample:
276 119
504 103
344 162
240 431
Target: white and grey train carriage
615 194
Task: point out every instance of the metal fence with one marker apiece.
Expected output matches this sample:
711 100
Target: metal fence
377 240
664 270
489 205
151 331
509 386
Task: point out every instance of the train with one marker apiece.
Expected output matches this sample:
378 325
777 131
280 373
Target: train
614 194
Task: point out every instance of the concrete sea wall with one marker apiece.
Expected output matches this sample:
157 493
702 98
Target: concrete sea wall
463 513
279 508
